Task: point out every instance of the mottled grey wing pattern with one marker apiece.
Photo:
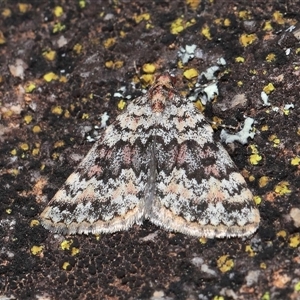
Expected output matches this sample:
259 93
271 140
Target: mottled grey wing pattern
107 191
157 161
198 188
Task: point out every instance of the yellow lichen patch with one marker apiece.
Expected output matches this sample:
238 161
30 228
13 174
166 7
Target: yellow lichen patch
24 146
121 104
29 87
135 79
190 73
240 83
203 240
297 287
218 21
266 296
67 114
27 119
82 3
294 240
180 65
239 59
253 149
263 265
49 55
253 72
50 76
109 42
24 8
216 122
217 297
2 38
286 112
58 11
109 64
143 17
114 64
14 172
247 39
225 263
147 79
254 158
227 22
66 266
34 223
6 13
59 144
66 244
295 161
84 100
274 139
251 178
85 116
282 233
268 26
244 15
149 26
63 79
264 128
57 110
250 251
257 200
205 31
263 181
189 23
271 57
149 68
122 34
282 188
8 211
269 88
180 24
199 105
13 152
36 250
77 48
278 17
193 3
177 26
74 251
35 151
58 27
36 129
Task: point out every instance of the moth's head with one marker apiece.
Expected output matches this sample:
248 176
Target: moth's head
167 80
161 92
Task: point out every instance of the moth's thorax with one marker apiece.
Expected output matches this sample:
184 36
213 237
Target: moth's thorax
161 92
158 102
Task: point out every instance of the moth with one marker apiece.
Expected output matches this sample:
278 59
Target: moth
157 161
